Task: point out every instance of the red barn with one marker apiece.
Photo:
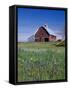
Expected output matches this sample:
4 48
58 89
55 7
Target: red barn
42 35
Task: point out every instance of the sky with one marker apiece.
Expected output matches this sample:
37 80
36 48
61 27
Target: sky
29 20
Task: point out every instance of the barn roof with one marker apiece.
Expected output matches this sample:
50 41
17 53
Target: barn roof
47 29
44 29
50 31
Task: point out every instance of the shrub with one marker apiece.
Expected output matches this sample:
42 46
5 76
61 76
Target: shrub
62 43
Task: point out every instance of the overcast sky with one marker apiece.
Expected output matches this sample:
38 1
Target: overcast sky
29 20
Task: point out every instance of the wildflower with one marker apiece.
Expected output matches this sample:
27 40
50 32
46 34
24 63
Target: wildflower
31 58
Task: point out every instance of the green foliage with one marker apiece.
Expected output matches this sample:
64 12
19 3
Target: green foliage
40 61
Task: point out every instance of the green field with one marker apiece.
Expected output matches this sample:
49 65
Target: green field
40 61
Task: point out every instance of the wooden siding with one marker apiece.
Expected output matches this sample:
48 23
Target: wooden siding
42 35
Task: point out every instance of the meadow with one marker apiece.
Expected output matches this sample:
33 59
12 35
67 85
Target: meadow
40 61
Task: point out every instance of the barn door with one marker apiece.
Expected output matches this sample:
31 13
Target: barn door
46 39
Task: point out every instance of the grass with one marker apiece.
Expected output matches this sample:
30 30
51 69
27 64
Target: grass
40 61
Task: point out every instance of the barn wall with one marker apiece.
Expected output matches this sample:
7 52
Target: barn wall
40 35
43 36
52 38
